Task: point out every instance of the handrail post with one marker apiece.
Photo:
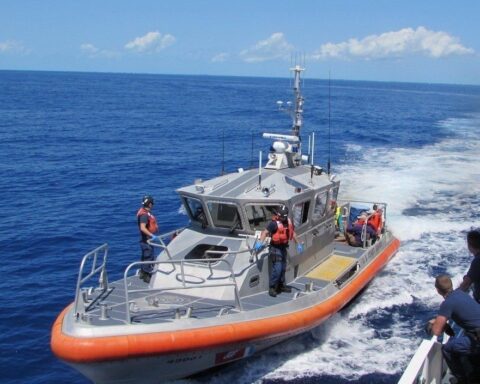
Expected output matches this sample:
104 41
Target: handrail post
94 270
127 304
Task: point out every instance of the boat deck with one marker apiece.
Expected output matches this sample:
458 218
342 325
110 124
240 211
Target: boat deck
156 306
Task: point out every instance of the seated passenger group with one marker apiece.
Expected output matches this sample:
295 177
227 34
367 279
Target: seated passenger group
358 234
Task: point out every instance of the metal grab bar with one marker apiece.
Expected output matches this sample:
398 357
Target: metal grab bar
94 270
162 244
238 302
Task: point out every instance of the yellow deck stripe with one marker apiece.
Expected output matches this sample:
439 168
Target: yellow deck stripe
332 268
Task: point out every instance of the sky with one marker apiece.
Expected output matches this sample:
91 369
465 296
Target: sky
427 41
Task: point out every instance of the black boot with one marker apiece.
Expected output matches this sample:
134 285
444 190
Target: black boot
145 276
272 292
284 288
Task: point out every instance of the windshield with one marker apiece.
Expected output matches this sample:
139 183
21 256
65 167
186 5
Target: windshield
224 215
260 215
195 209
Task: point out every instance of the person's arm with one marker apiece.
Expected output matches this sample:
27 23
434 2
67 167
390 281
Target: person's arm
263 235
143 228
438 325
466 283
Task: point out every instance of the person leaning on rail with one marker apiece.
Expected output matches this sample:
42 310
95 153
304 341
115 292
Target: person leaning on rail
461 352
473 275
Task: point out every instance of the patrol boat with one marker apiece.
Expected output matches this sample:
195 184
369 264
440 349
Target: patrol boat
207 302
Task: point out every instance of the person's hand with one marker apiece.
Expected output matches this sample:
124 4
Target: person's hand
429 326
154 238
258 246
300 248
448 330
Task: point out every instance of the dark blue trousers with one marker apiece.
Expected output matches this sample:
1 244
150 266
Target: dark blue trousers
147 255
279 265
457 352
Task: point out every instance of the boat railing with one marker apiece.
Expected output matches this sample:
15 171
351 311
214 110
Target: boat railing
183 279
161 239
427 364
92 260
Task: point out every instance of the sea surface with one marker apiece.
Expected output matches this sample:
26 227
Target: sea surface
79 150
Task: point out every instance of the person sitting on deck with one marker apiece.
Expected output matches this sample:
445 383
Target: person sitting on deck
353 233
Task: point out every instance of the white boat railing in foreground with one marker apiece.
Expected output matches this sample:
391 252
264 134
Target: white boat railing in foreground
427 366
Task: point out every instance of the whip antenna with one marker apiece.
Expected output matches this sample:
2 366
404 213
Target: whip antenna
329 127
251 153
223 151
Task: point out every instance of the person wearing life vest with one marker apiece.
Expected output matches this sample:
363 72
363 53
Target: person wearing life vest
281 231
148 227
376 219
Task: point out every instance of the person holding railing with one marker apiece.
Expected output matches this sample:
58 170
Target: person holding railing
459 351
281 231
148 227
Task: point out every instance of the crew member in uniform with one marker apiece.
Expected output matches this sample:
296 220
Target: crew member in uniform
148 227
281 231
473 275
461 352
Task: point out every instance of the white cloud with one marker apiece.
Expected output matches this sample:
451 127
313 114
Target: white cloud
12 46
89 48
400 43
151 42
275 47
220 58
92 51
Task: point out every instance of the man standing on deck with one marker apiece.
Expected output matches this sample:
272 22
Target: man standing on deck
473 274
465 312
147 225
281 231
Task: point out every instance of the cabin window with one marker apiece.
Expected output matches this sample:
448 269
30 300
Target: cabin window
319 211
300 213
224 215
201 251
260 215
195 209
333 200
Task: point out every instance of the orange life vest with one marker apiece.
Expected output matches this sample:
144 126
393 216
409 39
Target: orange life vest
376 221
152 225
283 234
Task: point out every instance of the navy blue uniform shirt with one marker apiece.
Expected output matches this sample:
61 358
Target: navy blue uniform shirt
462 309
474 274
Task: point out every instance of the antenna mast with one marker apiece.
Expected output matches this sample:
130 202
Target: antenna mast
329 126
298 112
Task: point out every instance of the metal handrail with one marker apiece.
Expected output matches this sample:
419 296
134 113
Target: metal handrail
94 270
162 244
238 302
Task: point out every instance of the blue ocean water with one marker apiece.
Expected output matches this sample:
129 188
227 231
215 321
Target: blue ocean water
78 151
